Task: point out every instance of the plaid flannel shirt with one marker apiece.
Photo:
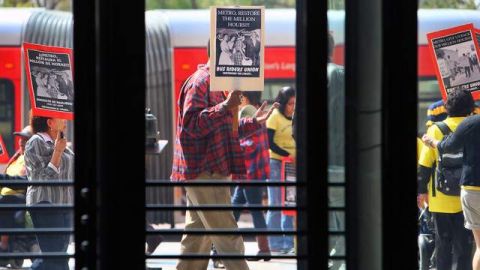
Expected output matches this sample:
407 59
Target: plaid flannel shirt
257 157
205 141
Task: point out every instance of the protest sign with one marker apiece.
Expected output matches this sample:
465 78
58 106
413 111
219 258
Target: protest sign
237 48
50 80
455 54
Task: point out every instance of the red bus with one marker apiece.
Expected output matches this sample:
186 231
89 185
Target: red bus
11 97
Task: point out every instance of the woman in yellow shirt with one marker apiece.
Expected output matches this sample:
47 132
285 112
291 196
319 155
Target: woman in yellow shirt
282 144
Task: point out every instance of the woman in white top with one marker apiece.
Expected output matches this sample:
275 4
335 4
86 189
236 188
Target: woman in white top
47 158
226 54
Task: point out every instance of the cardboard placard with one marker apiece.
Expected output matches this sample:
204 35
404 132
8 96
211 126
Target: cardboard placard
50 80
237 41
455 53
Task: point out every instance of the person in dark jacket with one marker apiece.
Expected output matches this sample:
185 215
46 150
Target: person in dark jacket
452 240
466 137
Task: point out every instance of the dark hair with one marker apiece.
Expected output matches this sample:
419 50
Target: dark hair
459 103
254 97
331 45
284 96
39 124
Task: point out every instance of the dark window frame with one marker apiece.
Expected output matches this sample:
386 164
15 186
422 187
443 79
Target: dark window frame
102 33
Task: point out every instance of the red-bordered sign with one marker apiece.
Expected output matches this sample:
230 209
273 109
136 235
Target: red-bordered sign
455 54
50 80
3 152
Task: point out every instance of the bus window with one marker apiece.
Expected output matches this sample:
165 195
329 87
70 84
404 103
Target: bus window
272 87
428 93
7 114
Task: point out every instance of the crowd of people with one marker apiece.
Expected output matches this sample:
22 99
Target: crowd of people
207 146
448 187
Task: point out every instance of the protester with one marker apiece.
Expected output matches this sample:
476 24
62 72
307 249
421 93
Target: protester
15 167
466 137
257 158
336 148
207 148
453 242
336 109
282 145
48 158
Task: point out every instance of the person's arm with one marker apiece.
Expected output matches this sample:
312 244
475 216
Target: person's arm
199 120
7 177
249 125
273 146
38 161
423 177
426 162
455 140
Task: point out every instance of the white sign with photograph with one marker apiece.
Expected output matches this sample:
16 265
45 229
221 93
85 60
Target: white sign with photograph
237 48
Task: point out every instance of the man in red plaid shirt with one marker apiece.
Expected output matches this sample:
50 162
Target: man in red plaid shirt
207 148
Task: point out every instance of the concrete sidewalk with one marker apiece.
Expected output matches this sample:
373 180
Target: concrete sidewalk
173 248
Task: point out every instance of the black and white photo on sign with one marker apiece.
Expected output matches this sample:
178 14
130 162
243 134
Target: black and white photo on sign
52 83
290 196
238 36
238 47
458 64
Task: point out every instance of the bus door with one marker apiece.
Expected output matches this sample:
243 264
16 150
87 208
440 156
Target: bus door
7 100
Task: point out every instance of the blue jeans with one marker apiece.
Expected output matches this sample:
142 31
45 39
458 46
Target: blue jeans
250 196
275 219
49 242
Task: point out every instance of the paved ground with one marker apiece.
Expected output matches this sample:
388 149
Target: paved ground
250 249
174 248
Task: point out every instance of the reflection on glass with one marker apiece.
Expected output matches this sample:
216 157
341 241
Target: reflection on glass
336 245
336 221
337 264
336 197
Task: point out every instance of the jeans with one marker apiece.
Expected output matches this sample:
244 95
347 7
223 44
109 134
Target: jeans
52 243
453 242
249 196
275 219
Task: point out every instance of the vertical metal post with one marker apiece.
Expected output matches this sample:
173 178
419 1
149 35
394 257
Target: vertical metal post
311 55
110 102
399 121
85 134
120 90
363 89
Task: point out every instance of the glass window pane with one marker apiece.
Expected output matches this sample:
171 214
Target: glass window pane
336 197
337 245
336 130
175 47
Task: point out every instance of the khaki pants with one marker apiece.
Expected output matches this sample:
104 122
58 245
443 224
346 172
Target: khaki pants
201 244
